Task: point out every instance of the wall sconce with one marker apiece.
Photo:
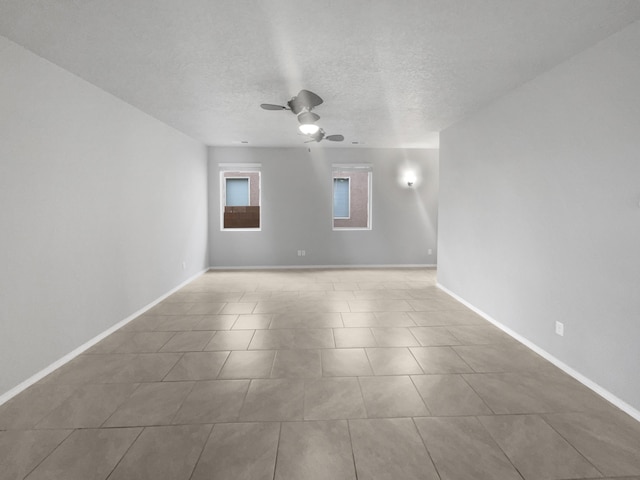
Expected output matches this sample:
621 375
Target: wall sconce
410 179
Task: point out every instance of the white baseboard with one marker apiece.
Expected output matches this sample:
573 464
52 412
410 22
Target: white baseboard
607 395
71 355
319 267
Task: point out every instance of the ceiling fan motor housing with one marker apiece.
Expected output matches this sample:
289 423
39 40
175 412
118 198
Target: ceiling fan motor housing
304 99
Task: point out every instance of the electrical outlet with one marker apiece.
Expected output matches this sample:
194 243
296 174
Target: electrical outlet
430 251
560 329
304 253
184 265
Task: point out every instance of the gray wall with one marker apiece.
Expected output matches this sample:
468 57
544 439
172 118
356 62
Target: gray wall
539 215
297 202
99 206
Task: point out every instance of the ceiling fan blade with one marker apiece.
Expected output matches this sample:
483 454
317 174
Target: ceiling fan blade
335 138
270 106
309 99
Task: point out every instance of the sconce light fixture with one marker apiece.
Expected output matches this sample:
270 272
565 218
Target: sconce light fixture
410 178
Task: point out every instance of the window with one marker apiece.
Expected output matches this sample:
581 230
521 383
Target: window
237 192
240 197
341 197
352 197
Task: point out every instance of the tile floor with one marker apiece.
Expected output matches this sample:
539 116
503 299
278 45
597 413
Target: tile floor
313 374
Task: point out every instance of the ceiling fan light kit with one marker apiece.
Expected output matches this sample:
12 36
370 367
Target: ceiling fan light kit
301 105
308 128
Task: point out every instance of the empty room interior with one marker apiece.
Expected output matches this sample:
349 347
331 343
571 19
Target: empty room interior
320 240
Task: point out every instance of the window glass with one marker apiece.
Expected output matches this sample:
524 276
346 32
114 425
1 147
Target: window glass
352 197
341 197
237 192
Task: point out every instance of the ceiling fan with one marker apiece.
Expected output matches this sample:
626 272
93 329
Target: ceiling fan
301 105
319 135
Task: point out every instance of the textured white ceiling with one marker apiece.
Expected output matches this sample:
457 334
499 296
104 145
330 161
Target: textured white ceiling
392 73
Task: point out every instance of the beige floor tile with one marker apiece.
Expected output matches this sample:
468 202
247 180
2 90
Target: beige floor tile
22 450
391 397
437 303
239 451
143 323
187 342
150 404
390 449
536 449
171 308
393 361
538 391
462 449
446 317
315 450
394 337
252 322
393 319
90 369
297 364
145 367
333 399
88 406
230 340
354 337
273 401
178 323
359 319
447 395
143 342
88 454
479 334
505 357
306 320
295 338
434 336
163 453
202 308
440 360
215 322
382 295
197 366
301 305
345 362
213 402
236 308
340 295
255 297
248 364
389 305
609 440
111 342
26 409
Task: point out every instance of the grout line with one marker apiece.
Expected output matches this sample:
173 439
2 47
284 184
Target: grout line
142 429
424 444
353 455
204 446
541 416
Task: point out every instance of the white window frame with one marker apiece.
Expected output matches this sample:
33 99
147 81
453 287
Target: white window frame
348 179
239 168
336 170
